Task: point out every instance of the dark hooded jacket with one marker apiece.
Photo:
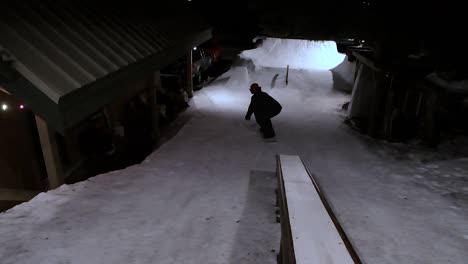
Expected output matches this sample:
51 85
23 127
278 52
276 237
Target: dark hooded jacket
262 104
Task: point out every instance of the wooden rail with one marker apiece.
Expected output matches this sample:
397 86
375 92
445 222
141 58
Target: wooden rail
310 232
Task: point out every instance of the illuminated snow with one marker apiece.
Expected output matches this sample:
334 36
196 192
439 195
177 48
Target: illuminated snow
298 54
207 195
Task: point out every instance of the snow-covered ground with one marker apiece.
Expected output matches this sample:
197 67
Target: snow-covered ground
207 195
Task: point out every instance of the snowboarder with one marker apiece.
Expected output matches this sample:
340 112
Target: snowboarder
264 107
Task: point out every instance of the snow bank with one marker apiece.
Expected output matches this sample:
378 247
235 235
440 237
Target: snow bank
299 54
238 77
343 76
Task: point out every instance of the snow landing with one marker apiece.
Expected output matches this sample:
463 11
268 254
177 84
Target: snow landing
207 195
298 54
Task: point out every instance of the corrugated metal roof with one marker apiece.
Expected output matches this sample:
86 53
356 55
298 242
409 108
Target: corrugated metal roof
61 47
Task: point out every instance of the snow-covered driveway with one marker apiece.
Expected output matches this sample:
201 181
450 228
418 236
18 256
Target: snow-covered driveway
207 195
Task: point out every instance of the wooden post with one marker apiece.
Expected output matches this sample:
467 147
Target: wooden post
105 112
50 153
189 86
374 125
155 84
287 74
389 110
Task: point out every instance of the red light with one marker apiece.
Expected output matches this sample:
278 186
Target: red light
21 106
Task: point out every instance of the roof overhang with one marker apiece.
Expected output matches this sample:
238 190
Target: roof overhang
64 88
77 105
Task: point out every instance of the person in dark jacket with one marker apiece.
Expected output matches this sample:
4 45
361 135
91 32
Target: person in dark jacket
264 107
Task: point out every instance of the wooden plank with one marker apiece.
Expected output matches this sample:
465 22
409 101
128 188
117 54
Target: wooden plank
314 236
17 195
286 254
189 86
368 62
153 106
333 217
50 153
293 170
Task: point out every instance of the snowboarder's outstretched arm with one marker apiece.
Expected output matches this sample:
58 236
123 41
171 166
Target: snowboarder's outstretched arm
250 111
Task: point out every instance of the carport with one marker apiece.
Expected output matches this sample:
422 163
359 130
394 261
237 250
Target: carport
65 60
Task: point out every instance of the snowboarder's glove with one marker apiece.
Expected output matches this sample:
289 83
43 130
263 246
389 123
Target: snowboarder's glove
247 117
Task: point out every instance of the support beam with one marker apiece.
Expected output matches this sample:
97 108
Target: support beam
50 153
153 86
17 195
189 86
369 62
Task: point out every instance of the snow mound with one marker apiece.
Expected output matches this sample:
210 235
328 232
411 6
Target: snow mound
343 76
239 77
298 54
